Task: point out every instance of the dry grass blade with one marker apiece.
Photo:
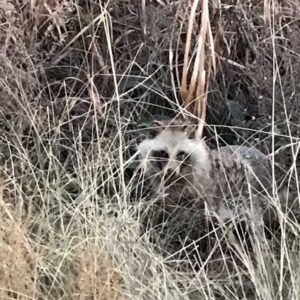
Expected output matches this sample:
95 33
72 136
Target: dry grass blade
96 279
267 11
67 48
194 93
184 83
77 78
95 97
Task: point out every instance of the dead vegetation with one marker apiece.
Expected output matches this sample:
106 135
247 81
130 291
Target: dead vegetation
17 270
96 279
77 78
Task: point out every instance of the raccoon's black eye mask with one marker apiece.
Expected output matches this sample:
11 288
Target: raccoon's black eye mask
160 158
182 156
159 154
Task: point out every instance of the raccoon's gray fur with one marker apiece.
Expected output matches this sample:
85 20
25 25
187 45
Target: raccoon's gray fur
233 181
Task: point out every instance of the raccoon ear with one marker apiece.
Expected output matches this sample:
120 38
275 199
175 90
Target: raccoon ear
155 128
151 129
190 130
160 125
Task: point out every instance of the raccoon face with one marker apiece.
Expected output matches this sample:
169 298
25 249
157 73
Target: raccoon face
172 151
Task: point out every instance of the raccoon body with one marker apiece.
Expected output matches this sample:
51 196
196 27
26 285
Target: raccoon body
231 181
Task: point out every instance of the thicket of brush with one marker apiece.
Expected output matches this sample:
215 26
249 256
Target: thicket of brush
77 78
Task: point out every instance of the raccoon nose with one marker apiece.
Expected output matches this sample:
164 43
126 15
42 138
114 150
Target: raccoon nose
161 164
170 172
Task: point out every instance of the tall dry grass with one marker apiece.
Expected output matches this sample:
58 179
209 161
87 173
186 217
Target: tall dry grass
74 224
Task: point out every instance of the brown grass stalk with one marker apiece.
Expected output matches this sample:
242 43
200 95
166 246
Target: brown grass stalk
194 93
184 84
267 11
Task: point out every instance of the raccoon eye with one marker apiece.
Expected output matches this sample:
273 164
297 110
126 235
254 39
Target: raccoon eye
182 156
160 154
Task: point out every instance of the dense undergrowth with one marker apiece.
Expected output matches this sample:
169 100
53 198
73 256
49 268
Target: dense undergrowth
77 78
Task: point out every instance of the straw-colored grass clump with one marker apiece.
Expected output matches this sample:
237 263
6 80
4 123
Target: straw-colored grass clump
77 79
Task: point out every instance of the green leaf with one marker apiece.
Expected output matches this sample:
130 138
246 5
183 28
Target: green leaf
237 111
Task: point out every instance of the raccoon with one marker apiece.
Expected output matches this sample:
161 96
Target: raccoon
230 181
